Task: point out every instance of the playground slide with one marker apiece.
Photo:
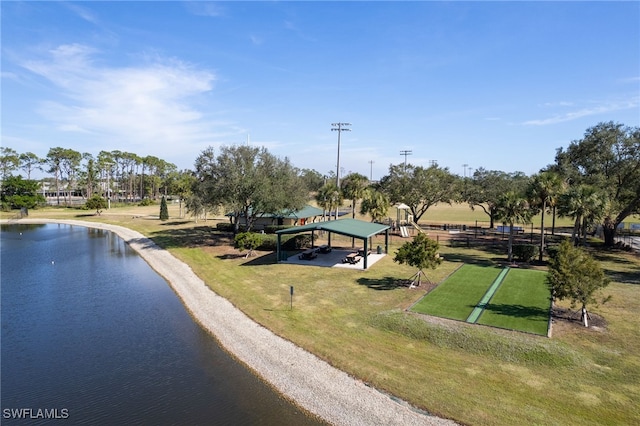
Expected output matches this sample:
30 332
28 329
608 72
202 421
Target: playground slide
415 225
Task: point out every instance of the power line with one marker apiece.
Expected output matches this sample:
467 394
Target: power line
405 153
339 127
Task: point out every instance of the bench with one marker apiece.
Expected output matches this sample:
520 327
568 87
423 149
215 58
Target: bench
324 249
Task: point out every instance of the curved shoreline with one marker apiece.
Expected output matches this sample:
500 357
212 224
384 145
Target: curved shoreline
299 375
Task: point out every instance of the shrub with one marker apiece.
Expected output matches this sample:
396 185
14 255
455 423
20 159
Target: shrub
297 242
247 241
271 229
269 242
164 211
97 203
146 202
229 227
525 252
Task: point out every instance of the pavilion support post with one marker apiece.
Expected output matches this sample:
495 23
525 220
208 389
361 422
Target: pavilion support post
386 241
278 251
366 251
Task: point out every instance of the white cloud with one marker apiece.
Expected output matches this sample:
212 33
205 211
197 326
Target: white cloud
149 105
82 12
205 8
603 108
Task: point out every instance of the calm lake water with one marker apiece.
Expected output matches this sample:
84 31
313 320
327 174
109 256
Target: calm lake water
92 335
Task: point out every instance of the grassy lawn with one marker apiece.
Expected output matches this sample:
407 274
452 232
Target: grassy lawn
357 321
521 303
456 297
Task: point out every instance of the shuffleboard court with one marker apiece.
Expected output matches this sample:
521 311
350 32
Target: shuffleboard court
459 294
521 303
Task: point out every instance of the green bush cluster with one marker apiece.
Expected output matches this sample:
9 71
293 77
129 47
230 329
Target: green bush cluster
525 252
146 202
297 242
271 229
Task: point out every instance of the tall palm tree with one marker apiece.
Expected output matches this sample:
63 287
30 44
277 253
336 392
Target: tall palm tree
584 204
513 208
543 191
353 186
329 197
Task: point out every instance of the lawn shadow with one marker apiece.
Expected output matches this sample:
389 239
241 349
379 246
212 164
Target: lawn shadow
385 283
198 236
467 258
268 258
517 311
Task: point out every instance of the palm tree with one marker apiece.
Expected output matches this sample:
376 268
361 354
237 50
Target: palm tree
353 186
513 208
543 191
329 197
582 203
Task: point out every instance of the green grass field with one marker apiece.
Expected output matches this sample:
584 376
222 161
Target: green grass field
521 303
459 294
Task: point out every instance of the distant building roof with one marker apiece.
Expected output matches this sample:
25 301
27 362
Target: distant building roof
306 212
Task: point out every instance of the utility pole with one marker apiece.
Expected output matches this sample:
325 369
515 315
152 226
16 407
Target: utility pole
465 165
339 127
371 170
405 153
433 163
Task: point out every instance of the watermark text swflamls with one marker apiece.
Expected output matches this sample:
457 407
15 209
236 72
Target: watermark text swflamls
35 413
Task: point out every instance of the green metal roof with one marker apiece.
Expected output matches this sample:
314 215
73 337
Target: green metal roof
350 227
305 212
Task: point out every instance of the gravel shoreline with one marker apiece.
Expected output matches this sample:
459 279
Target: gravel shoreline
299 375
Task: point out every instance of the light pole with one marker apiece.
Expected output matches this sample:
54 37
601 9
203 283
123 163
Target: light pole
339 127
371 170
465 165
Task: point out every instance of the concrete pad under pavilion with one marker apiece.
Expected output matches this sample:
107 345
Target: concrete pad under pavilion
333 260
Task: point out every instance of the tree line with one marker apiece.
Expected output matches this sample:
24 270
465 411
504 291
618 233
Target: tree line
118 175
595 181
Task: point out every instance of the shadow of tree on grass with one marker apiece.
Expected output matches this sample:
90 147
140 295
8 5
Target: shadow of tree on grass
385 283
518 311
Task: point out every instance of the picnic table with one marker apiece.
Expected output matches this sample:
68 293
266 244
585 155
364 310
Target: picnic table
352 258
324 249
308 254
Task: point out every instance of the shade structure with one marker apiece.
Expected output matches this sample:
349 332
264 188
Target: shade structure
350 227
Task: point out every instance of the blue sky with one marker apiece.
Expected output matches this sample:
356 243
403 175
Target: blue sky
498 85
